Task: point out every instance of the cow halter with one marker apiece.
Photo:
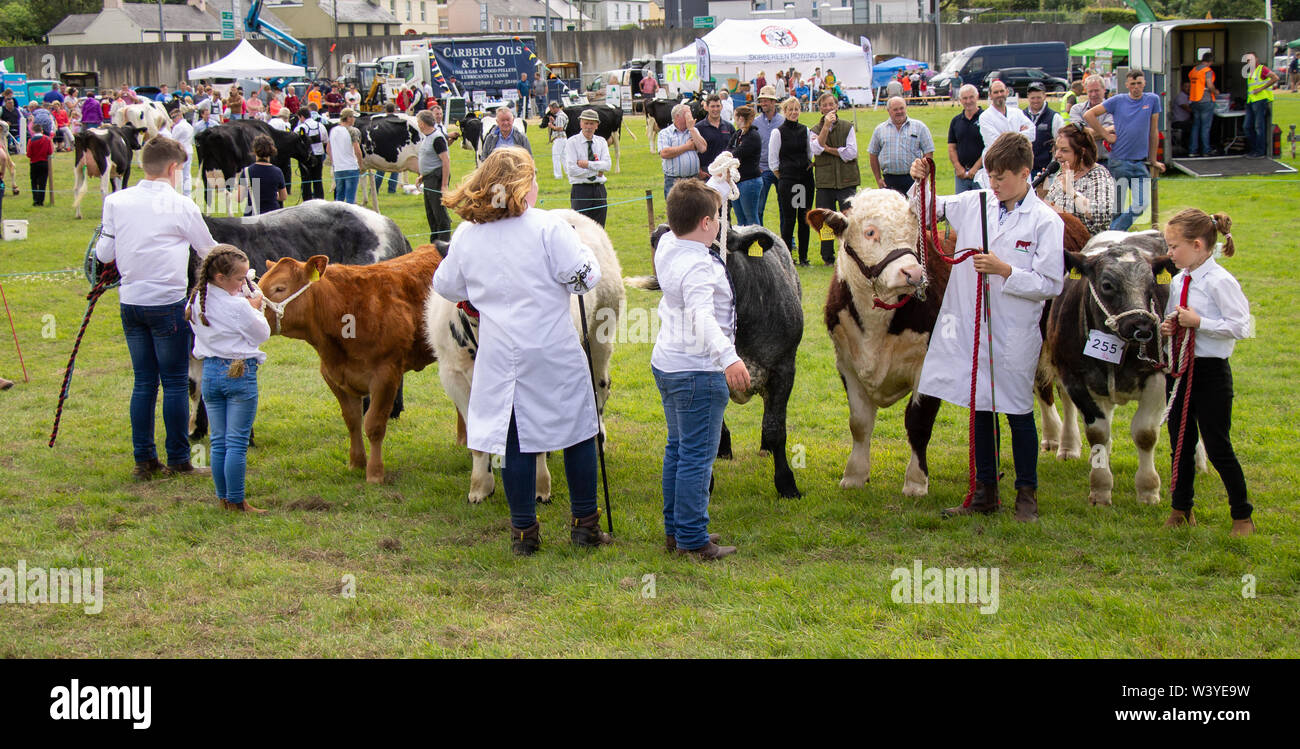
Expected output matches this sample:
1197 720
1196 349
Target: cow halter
873 272
278 307
1112 322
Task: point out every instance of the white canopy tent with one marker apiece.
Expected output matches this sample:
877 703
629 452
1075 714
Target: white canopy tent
741 49
246 62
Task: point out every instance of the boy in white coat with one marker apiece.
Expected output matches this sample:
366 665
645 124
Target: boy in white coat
1024 267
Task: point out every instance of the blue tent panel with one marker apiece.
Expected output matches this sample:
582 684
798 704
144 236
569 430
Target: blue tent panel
881 74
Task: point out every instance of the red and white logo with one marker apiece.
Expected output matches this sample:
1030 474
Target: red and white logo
779 37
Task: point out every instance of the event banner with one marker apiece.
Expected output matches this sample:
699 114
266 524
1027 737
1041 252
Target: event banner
488 65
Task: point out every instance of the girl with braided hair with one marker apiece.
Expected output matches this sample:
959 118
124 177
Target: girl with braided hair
225 312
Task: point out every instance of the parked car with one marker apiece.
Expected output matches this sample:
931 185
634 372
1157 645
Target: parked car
973 64
1018 80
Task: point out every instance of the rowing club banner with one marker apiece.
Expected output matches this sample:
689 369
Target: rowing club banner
488 65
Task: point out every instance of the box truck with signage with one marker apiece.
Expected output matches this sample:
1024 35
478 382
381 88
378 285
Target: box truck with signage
491 65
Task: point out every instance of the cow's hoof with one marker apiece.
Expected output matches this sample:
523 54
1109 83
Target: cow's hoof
1049 446
1149 498
1099 498
764 453
788 491
915 489
543 500
724 455
374 479
1065 453
852 483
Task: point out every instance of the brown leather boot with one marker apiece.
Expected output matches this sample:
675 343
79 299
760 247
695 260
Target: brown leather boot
709 552
983 501
241 507
586 531
526 541
670 542
1242 527
1026 504
1178 518
187 469
148 469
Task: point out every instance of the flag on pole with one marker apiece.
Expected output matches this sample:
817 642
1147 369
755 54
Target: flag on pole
866 51
703 62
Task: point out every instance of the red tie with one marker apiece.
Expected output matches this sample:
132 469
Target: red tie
1187 282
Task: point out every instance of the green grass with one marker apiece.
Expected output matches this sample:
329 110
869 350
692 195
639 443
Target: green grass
434 576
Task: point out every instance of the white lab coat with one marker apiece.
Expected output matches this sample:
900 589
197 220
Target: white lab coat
1032 241
519 272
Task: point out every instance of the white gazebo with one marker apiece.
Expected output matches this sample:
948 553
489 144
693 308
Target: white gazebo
246 62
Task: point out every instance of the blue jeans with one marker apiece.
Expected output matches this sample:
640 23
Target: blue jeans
1202 118
1133 177
1024 448
391 179
232 406
519 476
668 186
693 406
963 185
159 340
345 185
746 205
1256 126
769 179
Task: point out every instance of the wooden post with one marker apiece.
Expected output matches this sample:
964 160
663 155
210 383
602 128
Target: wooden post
650 210
49 182
1155 199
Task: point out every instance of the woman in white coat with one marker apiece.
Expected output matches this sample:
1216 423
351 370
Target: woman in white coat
532 392
1025 267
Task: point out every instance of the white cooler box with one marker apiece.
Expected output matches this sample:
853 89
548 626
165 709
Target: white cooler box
15 229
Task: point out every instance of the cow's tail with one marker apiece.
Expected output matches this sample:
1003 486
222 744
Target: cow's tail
649 283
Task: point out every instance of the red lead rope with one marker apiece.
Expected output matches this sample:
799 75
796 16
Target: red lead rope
927 239
1184 354
107 279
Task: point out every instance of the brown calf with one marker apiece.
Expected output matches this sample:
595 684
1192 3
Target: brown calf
366 323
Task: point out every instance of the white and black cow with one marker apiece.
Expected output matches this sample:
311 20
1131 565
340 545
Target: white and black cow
388 144
1117 287
452 334
149 117
610 126
879 351
347 234
769 326
222 152
659 115
103 152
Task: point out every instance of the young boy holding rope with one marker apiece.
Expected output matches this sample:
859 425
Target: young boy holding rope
1207 312
1022 265
228 328
148 230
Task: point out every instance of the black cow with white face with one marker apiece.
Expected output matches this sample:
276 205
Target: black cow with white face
1112 304
103 152
609 127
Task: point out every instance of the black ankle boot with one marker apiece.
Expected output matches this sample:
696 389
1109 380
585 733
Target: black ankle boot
586 531
526 541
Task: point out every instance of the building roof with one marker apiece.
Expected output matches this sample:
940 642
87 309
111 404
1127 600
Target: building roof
73 24
357 11
176 18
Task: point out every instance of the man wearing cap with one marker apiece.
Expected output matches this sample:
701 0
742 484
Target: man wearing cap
183 133
586 159
1047 123
680 146
556 121
768 119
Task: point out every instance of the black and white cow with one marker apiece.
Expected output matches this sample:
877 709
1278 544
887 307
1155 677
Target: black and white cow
659 115
149 117
388 144
103 152
610 126
1117 287
224 151
452 334
471 132
769 326
347 234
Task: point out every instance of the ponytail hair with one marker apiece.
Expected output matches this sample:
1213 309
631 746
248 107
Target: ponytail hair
1193 223
222 259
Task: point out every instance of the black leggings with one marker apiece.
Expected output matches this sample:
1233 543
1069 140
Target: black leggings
1024 448
795 197
1210 418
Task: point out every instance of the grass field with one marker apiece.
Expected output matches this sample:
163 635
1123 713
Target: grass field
434 575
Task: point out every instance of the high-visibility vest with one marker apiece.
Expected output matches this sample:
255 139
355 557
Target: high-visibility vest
1255 86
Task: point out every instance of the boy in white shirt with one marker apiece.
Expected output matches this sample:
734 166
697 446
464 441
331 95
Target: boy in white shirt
148 231
694 363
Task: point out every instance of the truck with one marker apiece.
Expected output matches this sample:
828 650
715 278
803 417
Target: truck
479 68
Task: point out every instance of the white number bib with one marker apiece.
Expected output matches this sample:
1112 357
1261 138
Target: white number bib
1104 346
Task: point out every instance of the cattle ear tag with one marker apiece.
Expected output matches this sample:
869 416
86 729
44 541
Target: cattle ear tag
1074 274
827 233
315 275
1163 277
755 249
